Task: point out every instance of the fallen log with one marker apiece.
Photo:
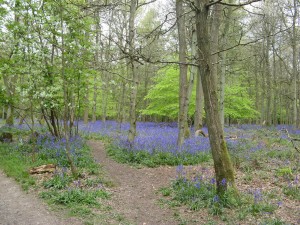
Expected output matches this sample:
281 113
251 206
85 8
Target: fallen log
49 168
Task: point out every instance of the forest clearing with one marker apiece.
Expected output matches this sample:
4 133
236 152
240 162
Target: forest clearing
149 112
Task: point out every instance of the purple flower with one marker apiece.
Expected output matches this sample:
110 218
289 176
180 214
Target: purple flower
197 185
216 198
213 181
257 196
279 203
223 182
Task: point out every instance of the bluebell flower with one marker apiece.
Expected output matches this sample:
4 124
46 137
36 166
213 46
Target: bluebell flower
213 181
257 196
197 185
216 198
223 182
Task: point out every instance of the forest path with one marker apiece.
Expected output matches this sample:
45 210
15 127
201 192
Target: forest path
19 208
135 195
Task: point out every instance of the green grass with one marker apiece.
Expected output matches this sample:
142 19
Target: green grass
200 194
15 165
75 196
82 197
156 159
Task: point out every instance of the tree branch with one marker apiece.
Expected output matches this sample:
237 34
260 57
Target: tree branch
235 5
250 42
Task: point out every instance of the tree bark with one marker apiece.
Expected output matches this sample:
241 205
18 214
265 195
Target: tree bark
295 72
199 91
183 68
66 101
86 105
222 163
132 71
224 62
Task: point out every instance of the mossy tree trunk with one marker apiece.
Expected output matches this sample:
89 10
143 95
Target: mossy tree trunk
222 163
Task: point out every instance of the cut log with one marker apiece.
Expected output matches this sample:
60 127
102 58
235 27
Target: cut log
49 168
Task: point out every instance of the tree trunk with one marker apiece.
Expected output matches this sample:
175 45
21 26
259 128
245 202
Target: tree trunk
86 106
182 117
224 61
66 101
217 8
95 94
222 163
132 70
222 89
198 123
275 85
295 72
96 64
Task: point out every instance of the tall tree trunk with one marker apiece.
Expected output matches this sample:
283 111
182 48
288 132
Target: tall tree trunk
263 94
66 101
86 105
295 72
96 64
215 27
132 71
275 85
182 117
224 61
95 94
199 91
222 89
256 86
222 163
267 70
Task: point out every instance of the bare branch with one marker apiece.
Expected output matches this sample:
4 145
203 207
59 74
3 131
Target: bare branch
250 42
237 5
213 3
145 3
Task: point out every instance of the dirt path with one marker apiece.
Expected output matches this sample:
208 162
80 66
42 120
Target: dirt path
135 192
19 208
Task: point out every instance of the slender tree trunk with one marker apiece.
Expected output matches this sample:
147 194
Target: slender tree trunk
295 72
182 117
86 106
96 63
257 97
222 89
95 94
199 91
132 70
275 85
224 60
222 163
66 102
263 94
217 8
269 84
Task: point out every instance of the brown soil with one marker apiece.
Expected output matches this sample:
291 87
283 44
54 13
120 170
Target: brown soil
135 193
19 208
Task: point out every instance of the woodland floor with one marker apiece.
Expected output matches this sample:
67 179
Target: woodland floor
134 196
20 208
135 191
